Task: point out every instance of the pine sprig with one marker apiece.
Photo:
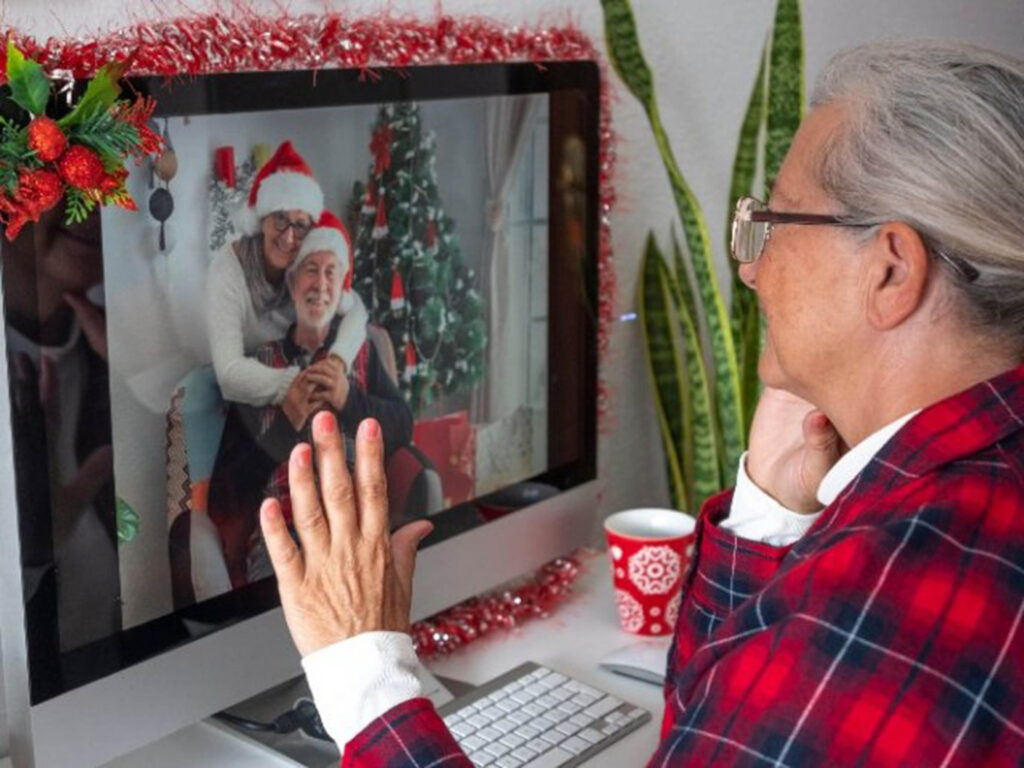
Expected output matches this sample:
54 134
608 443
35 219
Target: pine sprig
78 204
103 132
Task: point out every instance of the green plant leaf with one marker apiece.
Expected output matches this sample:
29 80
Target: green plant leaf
624 46
127 522
30 87
785 98
664 366
701 447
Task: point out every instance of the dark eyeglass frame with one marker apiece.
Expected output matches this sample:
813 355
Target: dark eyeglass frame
963 268
282 224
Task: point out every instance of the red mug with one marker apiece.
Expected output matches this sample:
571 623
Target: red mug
648 550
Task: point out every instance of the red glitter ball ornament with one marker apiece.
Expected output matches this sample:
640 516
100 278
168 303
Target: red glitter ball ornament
39 190
46 139
81 167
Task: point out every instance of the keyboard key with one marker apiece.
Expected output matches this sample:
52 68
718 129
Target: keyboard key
505 725
634 713
538 745
547 701
584 699
508 762
522 696
553 758
478 721
519 717
524 753
471 743
589 734
569 707
507 705
611 728
581 720
512 741
576 685
556 715
535 690
452 719
575 745
567 728
480 759
543 723
553 737
461 730
603 707
526 731
496 748
562 694
490 734
489 715
532 709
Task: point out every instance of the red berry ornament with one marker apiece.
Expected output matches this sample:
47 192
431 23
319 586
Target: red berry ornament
46 139
39 190
81 167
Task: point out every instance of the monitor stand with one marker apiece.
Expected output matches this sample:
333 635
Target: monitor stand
213 743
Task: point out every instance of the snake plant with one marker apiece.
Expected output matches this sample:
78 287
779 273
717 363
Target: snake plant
702 355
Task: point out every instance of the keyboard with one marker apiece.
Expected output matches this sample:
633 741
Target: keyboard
534 717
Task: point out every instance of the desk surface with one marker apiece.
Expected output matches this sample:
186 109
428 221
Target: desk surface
572 640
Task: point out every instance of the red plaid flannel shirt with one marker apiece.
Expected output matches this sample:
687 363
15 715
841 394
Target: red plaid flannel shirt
890 634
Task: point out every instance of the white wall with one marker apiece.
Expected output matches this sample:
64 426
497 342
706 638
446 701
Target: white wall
704 56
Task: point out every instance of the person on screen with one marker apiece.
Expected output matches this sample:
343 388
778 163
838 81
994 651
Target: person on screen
857 605
247 301
60 419
253 455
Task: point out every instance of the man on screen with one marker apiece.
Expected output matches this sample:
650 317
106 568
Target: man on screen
843 607
252 458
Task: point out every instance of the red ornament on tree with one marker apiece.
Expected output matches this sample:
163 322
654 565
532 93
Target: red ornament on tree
410 361
46 139
370 200
81 167
431 235
397 292
380 147
380 225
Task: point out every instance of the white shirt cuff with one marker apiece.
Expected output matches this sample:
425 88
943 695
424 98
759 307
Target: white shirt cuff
357 680
757 516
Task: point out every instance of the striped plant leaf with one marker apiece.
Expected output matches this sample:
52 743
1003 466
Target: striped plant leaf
702 442
785 100
664 365
620 31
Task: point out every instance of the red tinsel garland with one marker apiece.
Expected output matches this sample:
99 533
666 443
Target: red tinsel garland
480 616
243 40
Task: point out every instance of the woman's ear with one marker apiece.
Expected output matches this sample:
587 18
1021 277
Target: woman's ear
898 267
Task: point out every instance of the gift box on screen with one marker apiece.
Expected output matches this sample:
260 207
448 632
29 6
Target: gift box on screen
449 443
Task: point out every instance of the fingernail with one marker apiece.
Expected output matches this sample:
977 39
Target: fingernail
370 429
268 511
325 424
302 455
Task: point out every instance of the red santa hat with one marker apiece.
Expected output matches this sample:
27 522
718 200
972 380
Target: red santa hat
284 183
331 235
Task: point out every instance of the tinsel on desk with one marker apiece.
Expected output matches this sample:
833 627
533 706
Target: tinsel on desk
478 617
244 39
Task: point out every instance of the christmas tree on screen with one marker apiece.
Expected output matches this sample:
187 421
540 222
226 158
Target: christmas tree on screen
408 269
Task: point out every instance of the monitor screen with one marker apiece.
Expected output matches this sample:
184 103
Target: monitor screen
162 363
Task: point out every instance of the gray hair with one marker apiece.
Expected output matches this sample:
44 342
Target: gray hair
935 137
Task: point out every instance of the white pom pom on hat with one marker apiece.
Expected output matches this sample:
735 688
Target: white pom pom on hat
284 183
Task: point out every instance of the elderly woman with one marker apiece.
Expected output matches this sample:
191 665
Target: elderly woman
252 458
845 606
247 301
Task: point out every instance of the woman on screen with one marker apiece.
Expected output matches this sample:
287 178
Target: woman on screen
247 301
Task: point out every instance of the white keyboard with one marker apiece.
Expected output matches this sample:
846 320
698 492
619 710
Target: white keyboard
537 718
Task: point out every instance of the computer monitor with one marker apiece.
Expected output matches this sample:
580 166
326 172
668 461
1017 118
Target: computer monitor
137 598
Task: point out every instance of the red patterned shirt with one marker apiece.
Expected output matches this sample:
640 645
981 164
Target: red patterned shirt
890 634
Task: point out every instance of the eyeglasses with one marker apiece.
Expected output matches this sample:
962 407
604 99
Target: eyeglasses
281 224
752 228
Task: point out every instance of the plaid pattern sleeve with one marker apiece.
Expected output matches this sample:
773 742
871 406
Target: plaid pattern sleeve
411 735
890 633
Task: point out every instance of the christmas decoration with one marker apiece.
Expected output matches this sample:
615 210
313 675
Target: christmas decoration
478 617
226 198
243 40
408 268
79 157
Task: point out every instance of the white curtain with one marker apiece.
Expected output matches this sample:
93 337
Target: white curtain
504 275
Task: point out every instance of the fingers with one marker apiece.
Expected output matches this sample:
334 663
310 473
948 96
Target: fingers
404 543
822 441
307 513
371 485
93 322
284 554
335 481
320 378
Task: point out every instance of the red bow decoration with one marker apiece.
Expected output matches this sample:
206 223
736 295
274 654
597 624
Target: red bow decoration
380 147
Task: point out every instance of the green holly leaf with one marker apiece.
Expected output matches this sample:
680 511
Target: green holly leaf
30 87
99 96
127 522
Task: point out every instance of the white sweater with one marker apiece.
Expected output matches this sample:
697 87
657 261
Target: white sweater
235 331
